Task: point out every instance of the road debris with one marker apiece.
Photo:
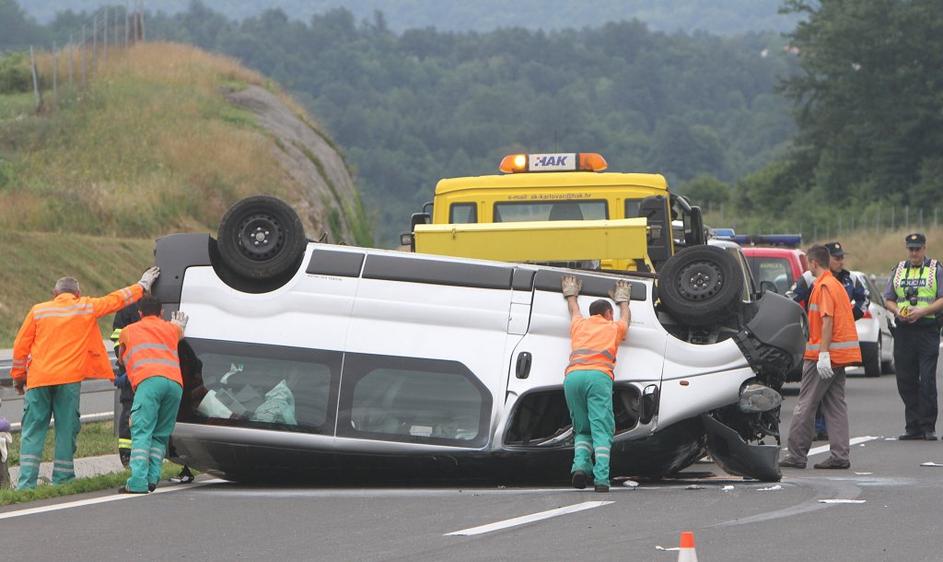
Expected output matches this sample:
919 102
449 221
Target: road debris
659 547
775 488
864 473
694 487
727 488
930 463
630 484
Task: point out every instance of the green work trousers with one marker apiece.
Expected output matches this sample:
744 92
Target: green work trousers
153 416
589 398
39 404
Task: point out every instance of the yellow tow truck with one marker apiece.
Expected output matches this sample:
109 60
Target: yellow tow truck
560 209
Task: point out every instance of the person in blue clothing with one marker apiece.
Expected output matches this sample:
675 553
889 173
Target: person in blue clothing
857 294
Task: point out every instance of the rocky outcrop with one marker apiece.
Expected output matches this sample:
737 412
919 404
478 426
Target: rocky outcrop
327 199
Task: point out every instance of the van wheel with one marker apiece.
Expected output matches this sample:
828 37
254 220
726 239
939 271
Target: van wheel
871 358
261 237
701 285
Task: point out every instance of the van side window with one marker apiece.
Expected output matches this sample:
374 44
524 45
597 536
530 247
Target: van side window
259 386
413 400
463 213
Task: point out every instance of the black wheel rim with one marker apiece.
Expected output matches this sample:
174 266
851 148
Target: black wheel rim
260 237
700 281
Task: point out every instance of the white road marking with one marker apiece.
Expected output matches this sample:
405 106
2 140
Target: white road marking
102 499
524 519
854 441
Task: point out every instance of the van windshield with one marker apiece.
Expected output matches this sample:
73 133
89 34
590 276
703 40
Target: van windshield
550 211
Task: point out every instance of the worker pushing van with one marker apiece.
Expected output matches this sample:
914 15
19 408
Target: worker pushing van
589 376
58 346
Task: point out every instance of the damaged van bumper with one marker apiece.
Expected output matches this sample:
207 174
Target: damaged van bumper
736 456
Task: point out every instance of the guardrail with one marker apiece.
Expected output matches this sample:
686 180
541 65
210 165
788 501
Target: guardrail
87 418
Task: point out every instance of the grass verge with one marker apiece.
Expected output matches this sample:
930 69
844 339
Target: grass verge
95 439
78 486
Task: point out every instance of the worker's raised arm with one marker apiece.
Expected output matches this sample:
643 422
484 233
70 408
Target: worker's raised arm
121 298
571 289
179 319
621 294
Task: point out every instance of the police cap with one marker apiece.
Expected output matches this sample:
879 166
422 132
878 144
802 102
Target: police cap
834 249
916 240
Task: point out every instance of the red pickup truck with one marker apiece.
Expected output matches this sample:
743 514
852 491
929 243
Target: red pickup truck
780 266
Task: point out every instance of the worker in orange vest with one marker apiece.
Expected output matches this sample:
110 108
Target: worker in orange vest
832 346
148 350
587 383
58 346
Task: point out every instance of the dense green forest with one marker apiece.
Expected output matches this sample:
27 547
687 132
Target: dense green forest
841 117
727 17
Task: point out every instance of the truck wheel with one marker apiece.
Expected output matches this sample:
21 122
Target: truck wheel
261 238
701 285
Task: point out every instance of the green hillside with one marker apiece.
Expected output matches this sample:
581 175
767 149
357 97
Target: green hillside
160 140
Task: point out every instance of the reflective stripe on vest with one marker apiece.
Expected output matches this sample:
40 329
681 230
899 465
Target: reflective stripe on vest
844 348
924 282
151 350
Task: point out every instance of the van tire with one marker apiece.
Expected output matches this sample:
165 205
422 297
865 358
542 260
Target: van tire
701 285
261 238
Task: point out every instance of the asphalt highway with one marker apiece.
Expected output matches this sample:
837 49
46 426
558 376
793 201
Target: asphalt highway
896 519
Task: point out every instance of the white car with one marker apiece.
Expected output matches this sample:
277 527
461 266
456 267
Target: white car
323 362
875 331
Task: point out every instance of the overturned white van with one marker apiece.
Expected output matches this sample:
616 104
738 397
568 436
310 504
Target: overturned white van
326 363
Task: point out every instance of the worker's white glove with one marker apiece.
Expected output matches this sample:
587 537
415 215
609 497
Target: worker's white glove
149 277
571 286
620 293
179 318
824 366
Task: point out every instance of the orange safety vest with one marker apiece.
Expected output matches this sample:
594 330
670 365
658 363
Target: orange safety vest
829 298
150 350
60 343
595 343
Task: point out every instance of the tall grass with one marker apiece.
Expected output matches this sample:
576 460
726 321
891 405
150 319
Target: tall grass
33 261
151 146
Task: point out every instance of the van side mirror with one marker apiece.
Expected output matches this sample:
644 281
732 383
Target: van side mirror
768 286
696 236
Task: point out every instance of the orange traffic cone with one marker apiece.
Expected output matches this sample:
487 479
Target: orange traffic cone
686 552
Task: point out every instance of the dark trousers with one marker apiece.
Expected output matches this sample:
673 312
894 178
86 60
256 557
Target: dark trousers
916 349
124 417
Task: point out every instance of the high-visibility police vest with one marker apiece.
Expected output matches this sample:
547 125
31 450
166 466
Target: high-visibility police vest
150 350
922 278
844 348
595 343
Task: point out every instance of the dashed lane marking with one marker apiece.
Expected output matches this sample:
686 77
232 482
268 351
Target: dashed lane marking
855 441
102 499
525 519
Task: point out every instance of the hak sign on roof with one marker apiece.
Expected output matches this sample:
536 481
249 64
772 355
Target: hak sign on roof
552 162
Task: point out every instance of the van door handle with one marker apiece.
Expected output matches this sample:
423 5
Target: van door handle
523 365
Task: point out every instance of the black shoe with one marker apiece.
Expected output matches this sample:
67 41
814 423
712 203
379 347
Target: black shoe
929 436
789 462
832 462
125 456
151 487
579 480
125 490
604 488
910 437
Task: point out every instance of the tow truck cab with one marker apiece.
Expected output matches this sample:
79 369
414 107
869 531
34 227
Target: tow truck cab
609 221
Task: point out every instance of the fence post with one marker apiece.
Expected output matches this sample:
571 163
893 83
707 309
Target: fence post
105 37
83 59
71 57
141 15
36 92
907 216
935 222
94 42
55 72
877 220
893 217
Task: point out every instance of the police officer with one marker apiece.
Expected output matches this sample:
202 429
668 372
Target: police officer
914 294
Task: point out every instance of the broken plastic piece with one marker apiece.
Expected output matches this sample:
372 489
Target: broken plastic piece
864 473
726 488
775 488
630 484
694 487
931 464
658 547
